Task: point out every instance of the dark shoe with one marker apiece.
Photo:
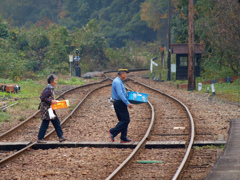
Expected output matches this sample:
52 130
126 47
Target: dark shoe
111 137
125 140
41 141
62 139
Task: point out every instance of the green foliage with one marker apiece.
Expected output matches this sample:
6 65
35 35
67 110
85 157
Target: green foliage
28 96
4 117
118 20
72 81
220 33
3 28
92 45
22 41
227 91
179 24
39 41
29 88
154 13
97 27
11 65
132 56
30 11
213 70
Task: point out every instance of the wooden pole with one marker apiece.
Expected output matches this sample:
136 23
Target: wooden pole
168 45
162 55
191 62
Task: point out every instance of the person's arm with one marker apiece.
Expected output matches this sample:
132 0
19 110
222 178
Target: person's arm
45 96
121 93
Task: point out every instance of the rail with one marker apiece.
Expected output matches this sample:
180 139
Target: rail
180 168
26 120
6 159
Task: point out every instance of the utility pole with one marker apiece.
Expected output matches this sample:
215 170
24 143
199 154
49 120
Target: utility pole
162 55
191 61
168 43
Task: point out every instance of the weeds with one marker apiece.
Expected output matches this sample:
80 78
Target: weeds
225 91
4 117
72 81
212 147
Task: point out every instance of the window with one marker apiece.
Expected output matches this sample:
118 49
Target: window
183 61
197 60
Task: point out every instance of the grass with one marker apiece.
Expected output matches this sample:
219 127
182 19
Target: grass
29 88
71 81
28 96
179 82
28 99
225 91
212 147
4 117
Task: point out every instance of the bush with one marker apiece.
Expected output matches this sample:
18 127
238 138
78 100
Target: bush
72 81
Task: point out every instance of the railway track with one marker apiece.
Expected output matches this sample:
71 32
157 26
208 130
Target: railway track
29 126
162 127
144 123
14 133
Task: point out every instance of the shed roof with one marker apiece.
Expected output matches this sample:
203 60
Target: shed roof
183 49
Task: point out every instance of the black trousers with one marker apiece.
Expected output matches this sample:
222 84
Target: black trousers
44 126
123 118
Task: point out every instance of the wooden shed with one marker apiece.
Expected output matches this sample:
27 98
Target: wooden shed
181 51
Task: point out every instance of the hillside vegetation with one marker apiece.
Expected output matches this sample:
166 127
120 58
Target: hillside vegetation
36 36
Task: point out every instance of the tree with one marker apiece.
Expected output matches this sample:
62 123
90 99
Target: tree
119 20
154 12
92 44
219 28
3 28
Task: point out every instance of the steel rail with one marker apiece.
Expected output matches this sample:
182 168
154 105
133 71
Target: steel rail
4 108
63 121
145 137
140 144
32 116
6 159
130 70
185 158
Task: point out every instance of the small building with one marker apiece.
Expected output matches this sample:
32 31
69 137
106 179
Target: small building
181 51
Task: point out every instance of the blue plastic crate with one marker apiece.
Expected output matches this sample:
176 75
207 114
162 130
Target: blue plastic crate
136 97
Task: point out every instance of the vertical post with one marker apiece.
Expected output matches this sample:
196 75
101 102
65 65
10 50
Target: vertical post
213 88
168 44
191 63
77 70
71 60
162 55
151 66
71 68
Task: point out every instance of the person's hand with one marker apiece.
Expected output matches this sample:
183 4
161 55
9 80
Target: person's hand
130 106
54 101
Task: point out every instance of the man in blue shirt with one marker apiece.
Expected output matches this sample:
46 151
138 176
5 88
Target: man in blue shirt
119 95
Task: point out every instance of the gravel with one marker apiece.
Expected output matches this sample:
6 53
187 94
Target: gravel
211 116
